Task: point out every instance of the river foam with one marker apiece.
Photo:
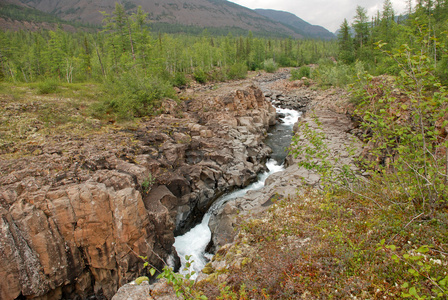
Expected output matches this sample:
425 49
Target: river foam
194 242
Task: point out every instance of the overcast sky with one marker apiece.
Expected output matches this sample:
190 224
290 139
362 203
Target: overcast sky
327 13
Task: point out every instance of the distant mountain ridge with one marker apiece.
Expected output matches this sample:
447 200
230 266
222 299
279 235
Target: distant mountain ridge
199 13
297 24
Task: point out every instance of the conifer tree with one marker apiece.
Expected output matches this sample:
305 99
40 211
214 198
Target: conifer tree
345 43
361 27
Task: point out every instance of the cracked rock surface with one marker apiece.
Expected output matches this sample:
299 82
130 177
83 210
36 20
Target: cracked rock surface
77 211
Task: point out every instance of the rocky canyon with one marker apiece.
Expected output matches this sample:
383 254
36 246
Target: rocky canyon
79 211
80 214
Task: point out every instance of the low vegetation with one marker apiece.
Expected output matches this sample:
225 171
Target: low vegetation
323 246
30 112
137 68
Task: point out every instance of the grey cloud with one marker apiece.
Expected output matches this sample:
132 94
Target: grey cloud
327 13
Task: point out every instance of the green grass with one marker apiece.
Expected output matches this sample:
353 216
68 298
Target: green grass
28 114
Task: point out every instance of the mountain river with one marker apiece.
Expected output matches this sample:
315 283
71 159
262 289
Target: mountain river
194 242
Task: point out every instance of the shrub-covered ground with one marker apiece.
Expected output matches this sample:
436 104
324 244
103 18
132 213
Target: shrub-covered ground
337 246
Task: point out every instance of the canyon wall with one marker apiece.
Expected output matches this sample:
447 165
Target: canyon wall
76 214
336 127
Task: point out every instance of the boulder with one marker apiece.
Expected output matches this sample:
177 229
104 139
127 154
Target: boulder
56 237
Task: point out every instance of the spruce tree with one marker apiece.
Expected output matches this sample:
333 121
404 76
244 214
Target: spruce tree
345 43
361 28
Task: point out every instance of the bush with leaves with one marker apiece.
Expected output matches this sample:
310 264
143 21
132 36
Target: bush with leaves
408 119
48 86
179 79
311 149
405 121
333 74
132 95
303 71
422 271
199 75
270 65
237 71
182 284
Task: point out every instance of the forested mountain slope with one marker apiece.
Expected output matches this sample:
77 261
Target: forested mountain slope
201 13
297 24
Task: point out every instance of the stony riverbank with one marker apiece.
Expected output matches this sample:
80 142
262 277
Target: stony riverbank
79 209
286 184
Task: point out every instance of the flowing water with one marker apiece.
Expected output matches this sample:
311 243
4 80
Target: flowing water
194 242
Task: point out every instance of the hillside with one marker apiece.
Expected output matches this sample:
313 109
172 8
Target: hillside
200 13
297 24
19 17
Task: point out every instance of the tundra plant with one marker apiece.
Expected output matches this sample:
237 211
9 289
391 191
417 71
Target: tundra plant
311 148
183 284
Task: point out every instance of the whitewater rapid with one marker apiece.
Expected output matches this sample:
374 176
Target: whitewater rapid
194 242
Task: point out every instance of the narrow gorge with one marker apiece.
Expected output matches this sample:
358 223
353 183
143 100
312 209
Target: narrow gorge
221 223
198 241
78 211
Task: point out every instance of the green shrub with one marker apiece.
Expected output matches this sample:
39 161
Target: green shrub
180 79
270 65
336 74
297 74
183 285
405 117
407 134
47 87
133 95
237 71
218 74
199 75
147 183
286 61
305 71
442 70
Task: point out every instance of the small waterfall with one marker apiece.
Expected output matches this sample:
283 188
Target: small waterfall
194 242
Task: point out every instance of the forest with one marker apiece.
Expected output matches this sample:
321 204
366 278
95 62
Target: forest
423 27
127 49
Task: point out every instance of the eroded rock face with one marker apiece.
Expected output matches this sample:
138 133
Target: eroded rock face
73 234
76 215
336 127
223 150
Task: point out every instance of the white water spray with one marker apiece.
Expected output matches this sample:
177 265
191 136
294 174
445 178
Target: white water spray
194 242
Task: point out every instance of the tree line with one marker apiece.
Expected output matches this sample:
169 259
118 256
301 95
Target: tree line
127 43
138 66
426 22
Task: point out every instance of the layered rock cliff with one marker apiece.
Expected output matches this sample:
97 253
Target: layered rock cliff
76 214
